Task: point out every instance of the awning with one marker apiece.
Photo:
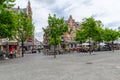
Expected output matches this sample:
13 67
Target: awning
28 44
9 43
102 44
85 43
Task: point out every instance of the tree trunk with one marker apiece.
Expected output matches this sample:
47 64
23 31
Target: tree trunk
7 48
54 51
22 49
99 47
113 46
89 47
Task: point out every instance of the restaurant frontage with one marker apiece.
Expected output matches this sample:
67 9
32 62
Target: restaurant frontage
10 48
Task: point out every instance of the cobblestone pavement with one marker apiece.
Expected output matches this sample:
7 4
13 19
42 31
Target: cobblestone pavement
76 66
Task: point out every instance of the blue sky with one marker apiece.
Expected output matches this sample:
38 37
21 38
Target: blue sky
105 10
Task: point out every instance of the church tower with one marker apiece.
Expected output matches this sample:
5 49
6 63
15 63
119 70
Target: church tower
29 10
29 15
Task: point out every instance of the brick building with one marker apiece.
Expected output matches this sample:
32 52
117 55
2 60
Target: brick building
69 38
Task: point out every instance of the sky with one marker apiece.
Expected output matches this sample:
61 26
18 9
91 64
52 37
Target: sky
108 11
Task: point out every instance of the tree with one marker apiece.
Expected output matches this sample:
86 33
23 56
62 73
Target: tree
80 36
7 23
89 26
111 35
56 28
7 19
99 37
7 3
25 27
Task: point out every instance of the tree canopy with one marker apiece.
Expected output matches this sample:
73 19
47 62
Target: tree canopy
56 28
14 23
24 28
80 36
7 23
110 35
99 37
89 27
7 3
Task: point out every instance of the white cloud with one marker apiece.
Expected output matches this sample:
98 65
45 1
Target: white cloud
106 11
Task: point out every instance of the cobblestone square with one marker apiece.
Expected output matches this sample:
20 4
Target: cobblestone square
75 66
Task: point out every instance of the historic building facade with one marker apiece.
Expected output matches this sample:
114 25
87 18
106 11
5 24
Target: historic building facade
73 26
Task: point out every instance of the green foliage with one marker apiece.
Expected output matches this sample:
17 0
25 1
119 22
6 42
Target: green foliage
56 28
24 27
7 3
89 30
12 24
56 25
80 36
54 41
7 23
89 27
99 37
110 35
